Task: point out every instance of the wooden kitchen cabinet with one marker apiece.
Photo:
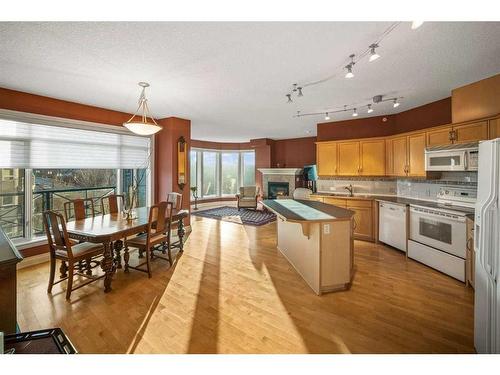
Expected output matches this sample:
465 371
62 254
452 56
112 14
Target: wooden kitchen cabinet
348 158
471 132
363 217
494 128
372 156
441 136
326 156
416 155
335 201
399 156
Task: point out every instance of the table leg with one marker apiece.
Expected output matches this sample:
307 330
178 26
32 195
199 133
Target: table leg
181 232
118 246
107 265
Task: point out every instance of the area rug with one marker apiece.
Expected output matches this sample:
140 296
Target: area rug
243 216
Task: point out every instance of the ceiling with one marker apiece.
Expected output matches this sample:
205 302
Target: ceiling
230 79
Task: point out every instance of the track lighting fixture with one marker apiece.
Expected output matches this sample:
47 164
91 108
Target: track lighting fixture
373 55
354 113
416 24
299 89
326 116
396 103
349 66
370 109
289 96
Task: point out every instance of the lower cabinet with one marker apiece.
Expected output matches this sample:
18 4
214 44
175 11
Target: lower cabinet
364 220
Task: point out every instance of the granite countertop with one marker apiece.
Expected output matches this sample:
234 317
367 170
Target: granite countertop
400 200
305 210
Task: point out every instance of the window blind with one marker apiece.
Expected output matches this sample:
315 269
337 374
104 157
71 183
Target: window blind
29 145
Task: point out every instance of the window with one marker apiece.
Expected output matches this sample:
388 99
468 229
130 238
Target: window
248 168
62 163
12 202
229 171
209 169
221 173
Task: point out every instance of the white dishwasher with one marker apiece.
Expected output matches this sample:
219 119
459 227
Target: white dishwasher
392 225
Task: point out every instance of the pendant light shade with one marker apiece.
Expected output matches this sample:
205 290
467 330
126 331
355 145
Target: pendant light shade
139 124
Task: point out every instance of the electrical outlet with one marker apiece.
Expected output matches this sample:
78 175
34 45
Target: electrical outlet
326 228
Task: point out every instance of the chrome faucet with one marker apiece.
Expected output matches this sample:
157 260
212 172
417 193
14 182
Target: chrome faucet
349 189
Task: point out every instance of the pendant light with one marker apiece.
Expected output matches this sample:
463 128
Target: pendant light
396 103
354 113
142 126
327 117
370 109
349 66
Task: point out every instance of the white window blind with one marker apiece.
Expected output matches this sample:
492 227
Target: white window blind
28 145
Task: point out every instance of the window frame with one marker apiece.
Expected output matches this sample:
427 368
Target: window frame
28 239
218 179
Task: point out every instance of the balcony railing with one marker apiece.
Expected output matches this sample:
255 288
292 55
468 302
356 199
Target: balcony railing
12 215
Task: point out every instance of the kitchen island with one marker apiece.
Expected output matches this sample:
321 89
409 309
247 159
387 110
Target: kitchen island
317 239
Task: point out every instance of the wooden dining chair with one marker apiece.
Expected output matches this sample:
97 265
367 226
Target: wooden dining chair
113 202
79 207
176 199
61 248
158 233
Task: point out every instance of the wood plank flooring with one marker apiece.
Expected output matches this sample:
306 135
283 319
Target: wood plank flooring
231 291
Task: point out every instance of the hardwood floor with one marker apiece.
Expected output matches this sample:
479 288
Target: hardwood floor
233 292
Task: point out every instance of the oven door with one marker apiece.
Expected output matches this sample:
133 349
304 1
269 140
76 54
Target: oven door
445 160
442 231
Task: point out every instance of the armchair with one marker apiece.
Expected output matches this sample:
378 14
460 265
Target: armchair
247 198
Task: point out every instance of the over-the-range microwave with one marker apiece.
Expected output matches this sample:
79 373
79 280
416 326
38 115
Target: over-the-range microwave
462 157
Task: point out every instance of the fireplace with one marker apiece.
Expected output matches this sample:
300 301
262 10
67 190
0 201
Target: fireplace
275 189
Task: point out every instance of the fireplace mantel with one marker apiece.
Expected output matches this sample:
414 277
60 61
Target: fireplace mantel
281 171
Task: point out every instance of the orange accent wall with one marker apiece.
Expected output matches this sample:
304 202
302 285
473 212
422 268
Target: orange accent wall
294 153
44 105
425 116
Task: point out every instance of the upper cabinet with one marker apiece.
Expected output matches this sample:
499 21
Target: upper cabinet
348 159
440 136
473 132
495 128
326 158
456 134
398 155
372 156
416 155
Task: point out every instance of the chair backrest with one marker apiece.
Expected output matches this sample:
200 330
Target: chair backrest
249 191
114 202
79 208
175 199
55 229
160 219
301 193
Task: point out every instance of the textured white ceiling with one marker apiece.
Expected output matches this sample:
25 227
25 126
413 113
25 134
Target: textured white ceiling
230 78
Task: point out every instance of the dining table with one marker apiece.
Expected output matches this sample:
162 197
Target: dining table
110 229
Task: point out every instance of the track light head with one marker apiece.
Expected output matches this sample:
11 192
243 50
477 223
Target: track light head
370 109
373 55
289 96
396 103
326 116
349 73
299 89
354 113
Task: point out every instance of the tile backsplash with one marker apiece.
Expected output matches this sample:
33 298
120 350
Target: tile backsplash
411 188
